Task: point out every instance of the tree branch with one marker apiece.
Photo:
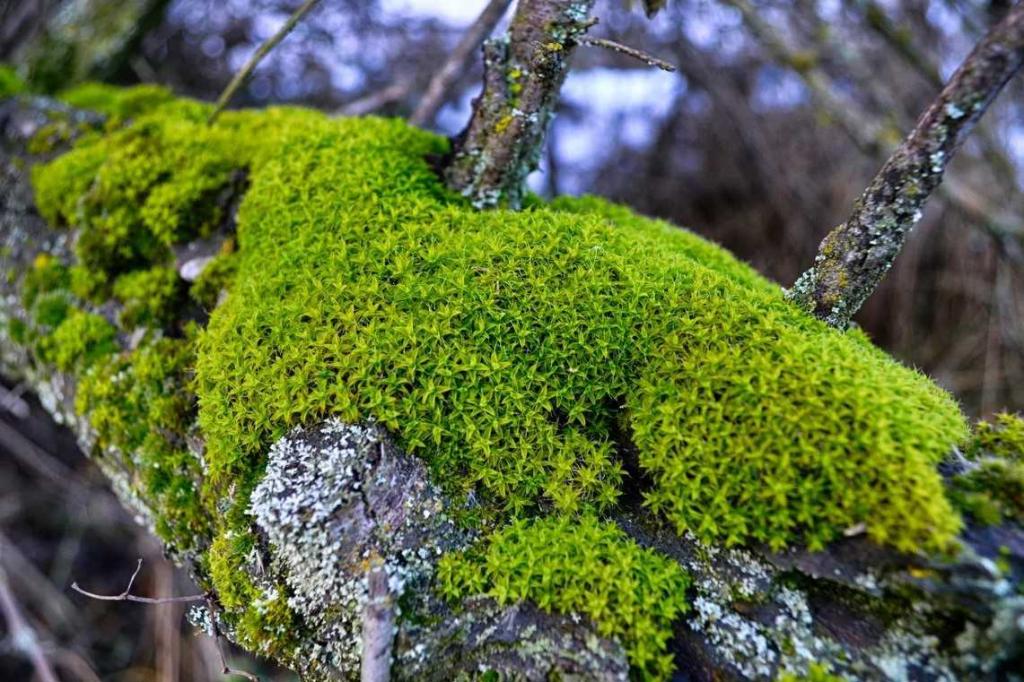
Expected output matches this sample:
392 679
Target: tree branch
378 624
523 73
441 84
262 51
854 257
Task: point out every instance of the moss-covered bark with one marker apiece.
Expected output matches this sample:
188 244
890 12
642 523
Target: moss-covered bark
285 528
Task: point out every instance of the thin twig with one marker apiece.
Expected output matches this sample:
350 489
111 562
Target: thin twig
127 596
628 51
243 75
441 84
22 634
218 637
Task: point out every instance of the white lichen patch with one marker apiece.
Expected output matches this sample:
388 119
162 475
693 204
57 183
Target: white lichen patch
333 500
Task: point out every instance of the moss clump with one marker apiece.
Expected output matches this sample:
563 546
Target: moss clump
119 104
993 492
509 349
1001 437
79 340
138 190
512 351
582 566
151 297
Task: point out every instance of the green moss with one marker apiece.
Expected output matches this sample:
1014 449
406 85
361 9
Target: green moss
1001 437
263 622
138 402
117 103
816 672
140 189
993 492
10 82
79 341
46 275
151 297
582 566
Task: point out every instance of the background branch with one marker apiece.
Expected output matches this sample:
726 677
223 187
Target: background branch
439 89
854 257
262 51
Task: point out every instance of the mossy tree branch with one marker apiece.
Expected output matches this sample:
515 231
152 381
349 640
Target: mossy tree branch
524 72
855 256
333 494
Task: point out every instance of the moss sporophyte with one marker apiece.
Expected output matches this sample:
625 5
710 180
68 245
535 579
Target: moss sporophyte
508 350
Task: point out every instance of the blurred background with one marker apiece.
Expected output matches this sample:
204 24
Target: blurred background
777 118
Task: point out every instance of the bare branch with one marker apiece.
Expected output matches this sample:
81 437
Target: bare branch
262 51
441 84
21 633
126 596
523 73
375 100
629 52
854 257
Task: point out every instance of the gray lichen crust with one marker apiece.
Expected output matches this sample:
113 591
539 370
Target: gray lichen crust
332 500
339 501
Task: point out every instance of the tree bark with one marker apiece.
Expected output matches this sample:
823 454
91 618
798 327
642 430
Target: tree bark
523 73
854 257
334 494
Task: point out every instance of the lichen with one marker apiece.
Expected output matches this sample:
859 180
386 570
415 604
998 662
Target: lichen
582 566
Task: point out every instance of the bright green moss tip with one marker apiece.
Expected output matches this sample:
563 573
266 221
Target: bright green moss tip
582 566
78 341
509 350
10 82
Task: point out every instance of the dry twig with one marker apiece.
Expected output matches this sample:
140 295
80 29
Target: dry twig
628 51
262 51
127 596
